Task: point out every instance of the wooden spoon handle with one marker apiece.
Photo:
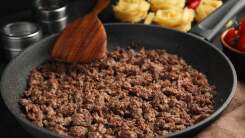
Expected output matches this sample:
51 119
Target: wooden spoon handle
101 5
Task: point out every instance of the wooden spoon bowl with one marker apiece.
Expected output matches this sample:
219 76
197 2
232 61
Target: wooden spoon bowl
84 39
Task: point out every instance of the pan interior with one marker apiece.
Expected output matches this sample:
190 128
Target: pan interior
197 53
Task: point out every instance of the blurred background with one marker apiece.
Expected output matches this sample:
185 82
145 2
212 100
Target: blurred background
9 7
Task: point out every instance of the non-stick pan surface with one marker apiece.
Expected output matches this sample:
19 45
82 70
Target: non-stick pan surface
199 53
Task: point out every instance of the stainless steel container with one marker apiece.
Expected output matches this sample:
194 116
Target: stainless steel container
16 36
49 10
51 15
55 26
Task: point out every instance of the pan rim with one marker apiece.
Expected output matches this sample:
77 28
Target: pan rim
205 121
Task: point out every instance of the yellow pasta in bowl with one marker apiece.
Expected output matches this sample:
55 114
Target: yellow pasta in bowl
187 19
179 19
205 8
131 10
166 4
188 15
174 14
149 18
169 17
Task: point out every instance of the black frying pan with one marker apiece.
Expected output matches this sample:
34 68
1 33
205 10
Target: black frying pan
195 50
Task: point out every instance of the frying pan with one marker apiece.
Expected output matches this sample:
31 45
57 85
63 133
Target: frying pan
198 52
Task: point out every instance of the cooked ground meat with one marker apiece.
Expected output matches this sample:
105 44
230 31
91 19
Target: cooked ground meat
128 94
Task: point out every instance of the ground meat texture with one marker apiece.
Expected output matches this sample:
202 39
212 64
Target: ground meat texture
78 131
128 94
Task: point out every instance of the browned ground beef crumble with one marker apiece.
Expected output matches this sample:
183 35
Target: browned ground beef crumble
129 94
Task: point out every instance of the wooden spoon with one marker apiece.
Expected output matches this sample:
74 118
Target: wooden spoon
84 39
